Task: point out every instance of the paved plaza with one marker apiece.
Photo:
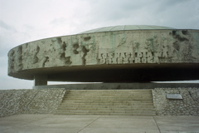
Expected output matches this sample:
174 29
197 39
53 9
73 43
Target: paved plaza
39 123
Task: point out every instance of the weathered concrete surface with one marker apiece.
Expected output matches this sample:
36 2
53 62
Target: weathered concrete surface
146 54
112 86
189 105
36 101
98 124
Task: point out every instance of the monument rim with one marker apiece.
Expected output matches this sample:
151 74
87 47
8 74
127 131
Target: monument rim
138 50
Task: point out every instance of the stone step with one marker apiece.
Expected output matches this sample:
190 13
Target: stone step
105 112
110 98
109 92
106 105
99 107
126 104
91 101
112 91
113 95
119 95
109 111
111 107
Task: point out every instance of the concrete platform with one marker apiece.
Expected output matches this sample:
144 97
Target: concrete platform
28 123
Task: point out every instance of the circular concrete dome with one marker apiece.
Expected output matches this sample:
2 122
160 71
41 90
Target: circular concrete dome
126 53
126 28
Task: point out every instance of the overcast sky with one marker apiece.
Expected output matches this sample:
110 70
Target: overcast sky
22 21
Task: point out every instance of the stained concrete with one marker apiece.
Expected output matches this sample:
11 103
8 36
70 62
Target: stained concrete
98 123
133 55
112 86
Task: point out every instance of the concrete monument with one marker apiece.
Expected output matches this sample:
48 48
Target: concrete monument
112 54
125 55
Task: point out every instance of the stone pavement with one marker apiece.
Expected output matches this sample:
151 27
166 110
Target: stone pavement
29 123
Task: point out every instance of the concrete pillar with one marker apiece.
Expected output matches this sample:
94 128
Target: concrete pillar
41 80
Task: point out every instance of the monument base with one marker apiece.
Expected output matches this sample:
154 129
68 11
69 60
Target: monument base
50 100
108 86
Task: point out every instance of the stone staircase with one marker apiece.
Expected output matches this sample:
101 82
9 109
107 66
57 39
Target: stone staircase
107 102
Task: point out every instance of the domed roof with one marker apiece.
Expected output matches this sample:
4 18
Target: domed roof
127 27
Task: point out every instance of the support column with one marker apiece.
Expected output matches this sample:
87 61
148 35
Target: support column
41 80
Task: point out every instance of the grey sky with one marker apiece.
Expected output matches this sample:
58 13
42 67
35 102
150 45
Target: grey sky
22 21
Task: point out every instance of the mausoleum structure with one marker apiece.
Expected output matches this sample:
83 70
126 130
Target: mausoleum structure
111 54
126 59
